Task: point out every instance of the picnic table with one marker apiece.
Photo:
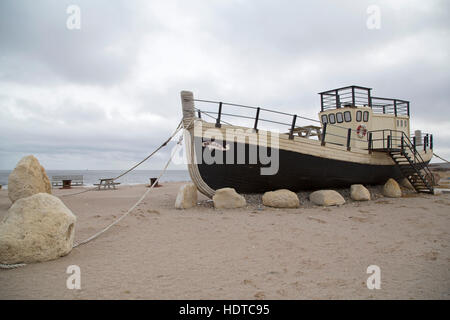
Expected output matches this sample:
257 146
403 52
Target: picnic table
308 131
107 183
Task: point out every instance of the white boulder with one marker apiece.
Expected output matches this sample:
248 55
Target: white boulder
391 189
228 198
186 197
36 228
359 193
27 179
281 199
326 198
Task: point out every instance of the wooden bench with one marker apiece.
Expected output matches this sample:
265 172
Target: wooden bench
107 183
67 181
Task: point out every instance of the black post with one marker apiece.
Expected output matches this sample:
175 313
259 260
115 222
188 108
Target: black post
338 101
395 107
414 144
199 114
389 142
407 106
321 102
402 142
349 134
324 133
370 142
218 125
353 96
425 143
291 134
256 119
369 98
431 142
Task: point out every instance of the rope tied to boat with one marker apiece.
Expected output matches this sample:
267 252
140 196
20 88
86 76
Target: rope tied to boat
440 158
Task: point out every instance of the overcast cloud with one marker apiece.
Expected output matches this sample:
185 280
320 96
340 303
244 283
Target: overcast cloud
105 96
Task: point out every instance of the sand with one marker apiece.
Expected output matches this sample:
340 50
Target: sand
158 252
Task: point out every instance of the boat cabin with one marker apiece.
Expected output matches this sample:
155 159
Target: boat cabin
349 113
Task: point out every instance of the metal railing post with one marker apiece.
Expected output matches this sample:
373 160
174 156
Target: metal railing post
338 100
324 133
199 113
353 96
291 134
256 119
389 142
395 107
402 141
370 146
431 142
218 125
349 133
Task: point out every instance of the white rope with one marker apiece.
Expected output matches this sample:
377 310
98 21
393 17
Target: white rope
13 266
440 158
135 205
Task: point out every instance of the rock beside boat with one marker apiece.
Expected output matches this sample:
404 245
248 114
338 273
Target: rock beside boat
359 193
406 184
391 189
186 197
281 199
36 228
436 177
228 198
27 179
326 198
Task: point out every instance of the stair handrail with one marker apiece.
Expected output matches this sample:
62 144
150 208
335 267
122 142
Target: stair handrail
406 142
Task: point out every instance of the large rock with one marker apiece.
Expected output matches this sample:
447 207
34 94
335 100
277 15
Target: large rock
187 197
37 228
437 178
281 199
326 198
27 179
391 189
406 184
359 193
228 198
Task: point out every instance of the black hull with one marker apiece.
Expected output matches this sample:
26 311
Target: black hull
296 172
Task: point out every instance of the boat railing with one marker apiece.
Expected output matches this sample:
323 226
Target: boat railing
288 121
353 96
395 140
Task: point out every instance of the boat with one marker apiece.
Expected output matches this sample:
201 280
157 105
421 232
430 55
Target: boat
357 139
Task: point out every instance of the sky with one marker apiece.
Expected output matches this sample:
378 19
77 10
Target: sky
107 94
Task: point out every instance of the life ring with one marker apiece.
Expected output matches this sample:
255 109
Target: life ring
361 131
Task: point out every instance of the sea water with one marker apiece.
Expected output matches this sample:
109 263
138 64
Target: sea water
92 176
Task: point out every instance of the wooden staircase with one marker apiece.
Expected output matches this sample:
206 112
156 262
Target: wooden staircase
418 174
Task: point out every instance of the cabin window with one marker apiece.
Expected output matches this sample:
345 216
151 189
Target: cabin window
332 118
339 117
347 116
358 116
366 116
324 118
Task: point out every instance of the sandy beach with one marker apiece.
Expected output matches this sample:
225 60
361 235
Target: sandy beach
256 252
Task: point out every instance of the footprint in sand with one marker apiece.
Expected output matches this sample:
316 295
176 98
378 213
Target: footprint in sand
260 295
